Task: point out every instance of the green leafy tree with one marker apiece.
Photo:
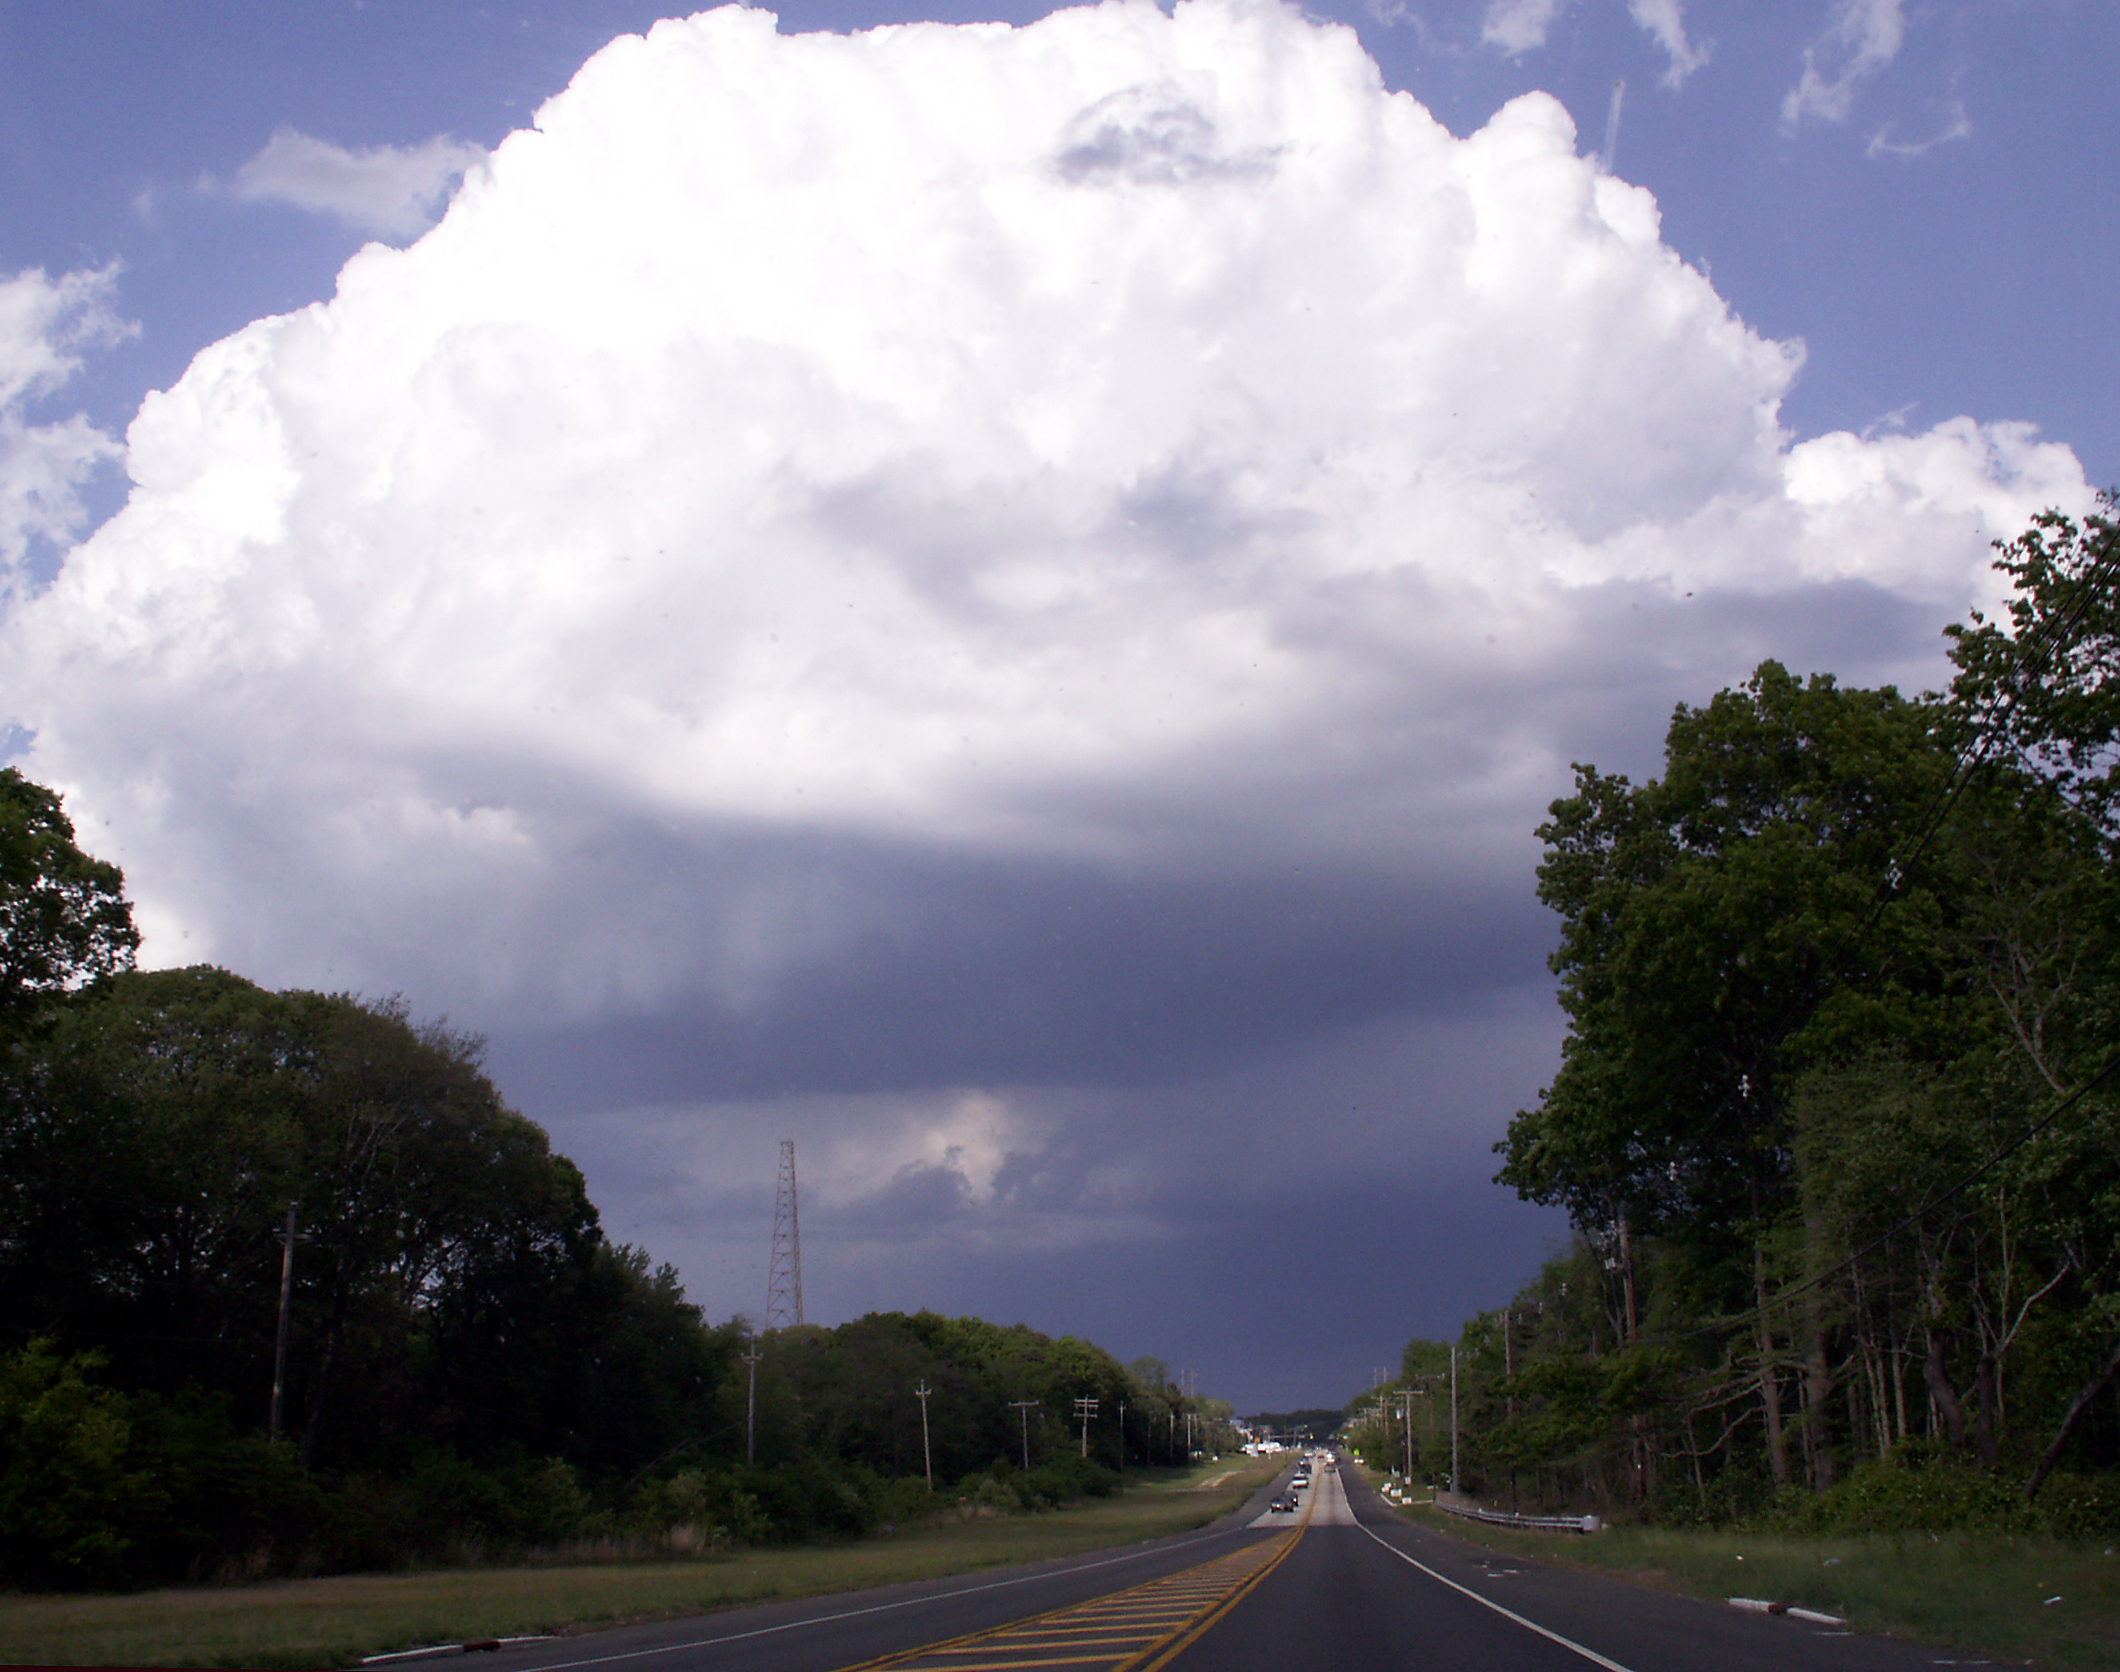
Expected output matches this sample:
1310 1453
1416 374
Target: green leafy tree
2044 689
1771 903
64 919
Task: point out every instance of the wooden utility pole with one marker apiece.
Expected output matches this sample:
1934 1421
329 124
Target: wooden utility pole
1085 1409
750 1410
1024 1407
1453 1421
279 1344
926 1457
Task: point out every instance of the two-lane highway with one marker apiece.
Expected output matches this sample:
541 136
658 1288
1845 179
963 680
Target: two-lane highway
1364 1588
1344 1583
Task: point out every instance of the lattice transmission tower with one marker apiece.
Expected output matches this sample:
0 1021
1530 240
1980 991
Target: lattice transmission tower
784 1271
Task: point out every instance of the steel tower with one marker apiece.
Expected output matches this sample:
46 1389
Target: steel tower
784 1272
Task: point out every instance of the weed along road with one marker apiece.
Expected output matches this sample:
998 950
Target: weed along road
1342 1583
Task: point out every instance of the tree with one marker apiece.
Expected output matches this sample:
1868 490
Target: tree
1719 927
64 919
2042 694
2045 689
1766 905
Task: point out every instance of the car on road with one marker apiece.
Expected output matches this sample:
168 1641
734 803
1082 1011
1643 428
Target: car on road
1285 1504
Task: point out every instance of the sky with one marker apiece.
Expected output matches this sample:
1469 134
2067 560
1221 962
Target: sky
1000 592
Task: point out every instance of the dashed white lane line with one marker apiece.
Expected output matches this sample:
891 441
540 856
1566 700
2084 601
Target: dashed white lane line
1569 1643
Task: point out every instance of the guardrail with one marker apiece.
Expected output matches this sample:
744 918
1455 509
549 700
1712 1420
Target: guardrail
1531 1523
1395 1493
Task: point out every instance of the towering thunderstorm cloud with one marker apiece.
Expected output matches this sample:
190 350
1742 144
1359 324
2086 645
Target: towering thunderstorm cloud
801 470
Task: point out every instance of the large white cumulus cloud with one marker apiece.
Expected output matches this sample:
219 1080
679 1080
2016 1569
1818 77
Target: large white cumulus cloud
1092 440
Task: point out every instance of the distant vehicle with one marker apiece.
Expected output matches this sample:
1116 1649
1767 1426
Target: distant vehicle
1285 1504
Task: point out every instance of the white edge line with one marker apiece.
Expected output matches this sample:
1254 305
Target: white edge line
435 1651
1508 1614
885 1608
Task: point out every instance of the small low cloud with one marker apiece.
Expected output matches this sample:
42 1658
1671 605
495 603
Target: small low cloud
1860 38
1665 21
1520 26
391 191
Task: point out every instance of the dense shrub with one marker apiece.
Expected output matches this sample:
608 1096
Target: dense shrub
67 1500
1063 1481
2080 1506
1918 1489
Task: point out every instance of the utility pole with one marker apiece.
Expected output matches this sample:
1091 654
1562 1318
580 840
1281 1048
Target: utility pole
750 1412
1453 1421
279 1343
1085 1409
927 1457
1024 1407
1406 1403
1122 1436
1509 1374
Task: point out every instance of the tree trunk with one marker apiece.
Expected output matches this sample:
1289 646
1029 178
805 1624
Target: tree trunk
1817 1393
2085 1397
1769 1376
1984 1387
1941 1393
315 1425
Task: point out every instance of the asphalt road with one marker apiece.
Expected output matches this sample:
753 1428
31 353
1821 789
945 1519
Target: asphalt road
1364 1588
1348 1585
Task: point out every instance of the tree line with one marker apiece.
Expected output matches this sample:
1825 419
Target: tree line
286 1286
1835 1122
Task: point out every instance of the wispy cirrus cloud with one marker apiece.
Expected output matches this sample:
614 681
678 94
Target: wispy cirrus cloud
1517 27
1956 125
1860 38
1665 22
389 191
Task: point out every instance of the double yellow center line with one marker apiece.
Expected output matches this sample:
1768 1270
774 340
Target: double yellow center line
1141 1629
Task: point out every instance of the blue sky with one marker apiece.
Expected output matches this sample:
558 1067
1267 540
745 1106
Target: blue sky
1228 974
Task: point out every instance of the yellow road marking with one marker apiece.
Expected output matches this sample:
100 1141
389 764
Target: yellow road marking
1140 1629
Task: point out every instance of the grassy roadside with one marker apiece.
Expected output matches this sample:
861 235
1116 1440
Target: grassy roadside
333 1622
1981 1594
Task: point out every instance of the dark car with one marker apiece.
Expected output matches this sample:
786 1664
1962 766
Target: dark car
1285 1504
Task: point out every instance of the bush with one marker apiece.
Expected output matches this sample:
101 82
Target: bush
1918 1489
2079 1506
712 1503
810 1498
67 1500
216 1497
1063 1481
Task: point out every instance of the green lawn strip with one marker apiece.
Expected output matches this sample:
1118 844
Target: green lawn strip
333 1622
1981 1593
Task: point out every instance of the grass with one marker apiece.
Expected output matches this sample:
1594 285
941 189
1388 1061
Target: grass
333 1622
1982 1594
